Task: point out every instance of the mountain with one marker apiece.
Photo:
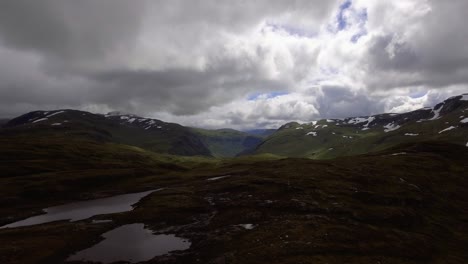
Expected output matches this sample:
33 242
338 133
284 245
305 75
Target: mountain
261 132
149 134
405 203
227 142
3 121
330 138
120 128
323 139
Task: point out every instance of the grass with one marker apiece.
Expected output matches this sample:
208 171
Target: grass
347 140
362 209
225 143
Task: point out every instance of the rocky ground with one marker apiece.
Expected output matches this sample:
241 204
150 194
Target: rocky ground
404 205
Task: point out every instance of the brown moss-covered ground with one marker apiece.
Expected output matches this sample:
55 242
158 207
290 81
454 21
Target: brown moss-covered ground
380 208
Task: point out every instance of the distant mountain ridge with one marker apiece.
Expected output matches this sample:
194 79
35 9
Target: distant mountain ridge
147 133
329 138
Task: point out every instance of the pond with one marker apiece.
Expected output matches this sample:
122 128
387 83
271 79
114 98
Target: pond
132 243
83 210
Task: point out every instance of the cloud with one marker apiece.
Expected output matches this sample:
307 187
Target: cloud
417 43
210 63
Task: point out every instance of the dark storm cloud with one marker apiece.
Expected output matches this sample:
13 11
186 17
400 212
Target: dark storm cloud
74 53
70 30
179 91
337 102
429 51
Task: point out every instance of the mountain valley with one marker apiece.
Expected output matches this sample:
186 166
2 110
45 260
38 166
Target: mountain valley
394 191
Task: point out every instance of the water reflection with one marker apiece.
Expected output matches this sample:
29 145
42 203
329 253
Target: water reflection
132 243
86 209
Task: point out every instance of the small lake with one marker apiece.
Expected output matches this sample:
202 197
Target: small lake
132 243
83 210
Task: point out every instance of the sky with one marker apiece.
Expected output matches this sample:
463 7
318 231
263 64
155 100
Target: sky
239 64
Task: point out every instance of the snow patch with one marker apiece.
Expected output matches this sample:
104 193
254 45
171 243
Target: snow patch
399 153
218 178
359 120
56 113
39 120
437 112
330 121
391 127
57 124
447 129
313 133
465 120
299 128
247 226
411 134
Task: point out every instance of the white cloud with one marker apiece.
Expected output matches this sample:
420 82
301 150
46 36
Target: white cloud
197 62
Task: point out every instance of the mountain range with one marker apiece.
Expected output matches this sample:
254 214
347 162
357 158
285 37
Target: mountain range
146 133
323 139
329 138
395 193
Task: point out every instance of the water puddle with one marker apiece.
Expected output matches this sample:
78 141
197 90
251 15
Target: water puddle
132 243
101 221
83 210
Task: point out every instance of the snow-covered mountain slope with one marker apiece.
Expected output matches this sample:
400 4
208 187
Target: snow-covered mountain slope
328 138
146 133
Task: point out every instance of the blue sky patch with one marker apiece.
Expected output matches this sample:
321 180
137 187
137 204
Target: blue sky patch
269 95
292 30
342 23
418 94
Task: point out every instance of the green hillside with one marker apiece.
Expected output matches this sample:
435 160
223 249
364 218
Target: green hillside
149 134
146 133
326 139
227 142
402 201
